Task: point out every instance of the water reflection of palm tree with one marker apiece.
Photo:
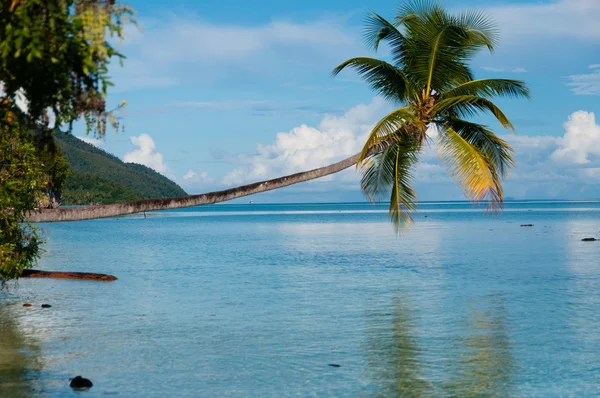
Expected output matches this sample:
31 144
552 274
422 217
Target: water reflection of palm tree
483 366
393 354
19 356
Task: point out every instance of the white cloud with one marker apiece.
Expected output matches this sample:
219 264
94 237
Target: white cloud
146 154
563 18
305 147
519 70
586 84
97 142
192 177
547 166
581 140
189 175
196 182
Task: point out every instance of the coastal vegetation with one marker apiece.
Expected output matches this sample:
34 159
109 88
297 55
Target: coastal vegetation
96 176
54 70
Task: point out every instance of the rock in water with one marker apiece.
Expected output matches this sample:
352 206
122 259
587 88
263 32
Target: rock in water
589 240
80 383
26 305
527 225
334 365
46 306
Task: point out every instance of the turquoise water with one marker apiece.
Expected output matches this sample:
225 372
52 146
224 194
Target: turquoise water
259 300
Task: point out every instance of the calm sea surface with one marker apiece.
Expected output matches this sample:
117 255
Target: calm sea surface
259 300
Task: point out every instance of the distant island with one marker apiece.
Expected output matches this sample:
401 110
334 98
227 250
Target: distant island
99 177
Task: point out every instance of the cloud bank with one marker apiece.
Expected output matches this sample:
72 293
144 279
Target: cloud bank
304 147
547 166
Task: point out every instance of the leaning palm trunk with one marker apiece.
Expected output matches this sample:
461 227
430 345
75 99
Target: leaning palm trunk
92 212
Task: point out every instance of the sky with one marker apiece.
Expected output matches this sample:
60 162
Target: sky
222 93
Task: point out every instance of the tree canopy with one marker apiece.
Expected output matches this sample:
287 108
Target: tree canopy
430 80
54 57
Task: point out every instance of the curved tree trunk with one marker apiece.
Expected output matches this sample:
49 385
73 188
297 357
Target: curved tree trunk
92 212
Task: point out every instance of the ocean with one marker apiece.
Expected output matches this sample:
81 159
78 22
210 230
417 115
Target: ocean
319 300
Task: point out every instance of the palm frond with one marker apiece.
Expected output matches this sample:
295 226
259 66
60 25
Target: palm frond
497 151
417 8
481 29
390 171
491 88
378 29
470 168
470 105
439 45
385 78
388 128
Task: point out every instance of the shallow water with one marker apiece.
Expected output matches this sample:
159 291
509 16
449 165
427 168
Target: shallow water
258 300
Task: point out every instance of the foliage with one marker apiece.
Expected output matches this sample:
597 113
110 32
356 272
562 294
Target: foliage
430 79
86 188
21 186
93 169
54 57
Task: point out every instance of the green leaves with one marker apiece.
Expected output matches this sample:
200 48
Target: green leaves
470 167
390 172
56 52
389 81
391 128
470 105
497 151
439 45
490 88
21 186
430 77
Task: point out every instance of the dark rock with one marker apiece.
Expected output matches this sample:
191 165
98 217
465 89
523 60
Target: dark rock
26 305
46 306
334 365
80 383
589 240
527 225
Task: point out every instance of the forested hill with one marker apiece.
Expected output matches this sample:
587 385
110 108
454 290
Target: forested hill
98 176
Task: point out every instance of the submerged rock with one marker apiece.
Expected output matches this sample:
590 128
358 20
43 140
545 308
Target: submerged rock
527 225
46 306
80 383
589 240
334 365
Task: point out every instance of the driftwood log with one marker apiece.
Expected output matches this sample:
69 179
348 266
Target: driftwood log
32 273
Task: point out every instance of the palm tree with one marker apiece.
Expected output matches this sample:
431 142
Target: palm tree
429 78
431 81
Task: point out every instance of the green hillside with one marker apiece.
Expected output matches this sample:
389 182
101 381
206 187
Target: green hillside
98 176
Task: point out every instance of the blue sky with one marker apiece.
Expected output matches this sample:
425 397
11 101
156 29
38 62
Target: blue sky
228 92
